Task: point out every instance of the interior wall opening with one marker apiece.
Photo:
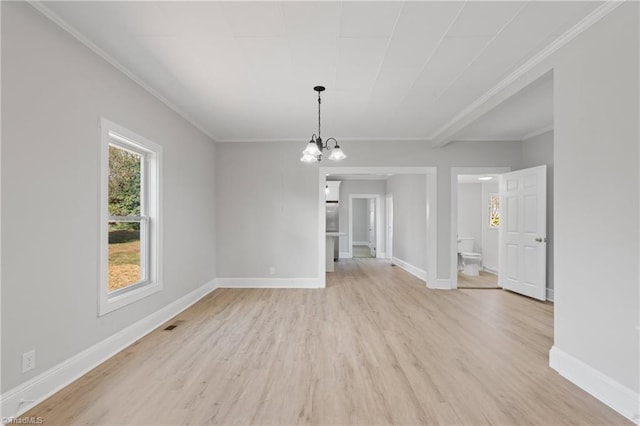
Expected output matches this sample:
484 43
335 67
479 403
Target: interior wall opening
364 197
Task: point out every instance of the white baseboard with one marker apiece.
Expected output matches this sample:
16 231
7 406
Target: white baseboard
440 284
550 294
344 255
361 243
413 270
609 391
268 283
54 379
381 255
490 270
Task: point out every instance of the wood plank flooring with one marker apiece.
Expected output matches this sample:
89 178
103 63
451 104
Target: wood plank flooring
361 252
374 347
484 280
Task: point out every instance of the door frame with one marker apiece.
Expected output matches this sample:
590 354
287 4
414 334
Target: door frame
432 217
378 214
455 171
388 225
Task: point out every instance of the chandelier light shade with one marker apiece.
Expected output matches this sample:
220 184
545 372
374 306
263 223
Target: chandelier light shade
337 154
313 152
312 149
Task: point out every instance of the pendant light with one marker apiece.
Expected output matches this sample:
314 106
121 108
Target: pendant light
313 152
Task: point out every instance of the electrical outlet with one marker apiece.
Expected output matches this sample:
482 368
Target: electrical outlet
272 270
28 361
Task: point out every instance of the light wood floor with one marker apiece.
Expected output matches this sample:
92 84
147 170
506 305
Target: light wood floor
361 251
374 347
484 280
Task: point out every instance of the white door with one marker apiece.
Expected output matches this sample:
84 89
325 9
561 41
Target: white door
523 231
372 226
389 226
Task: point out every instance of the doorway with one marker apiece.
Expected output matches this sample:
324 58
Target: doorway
478 262
475 260
516 214
389 225
364 225
430 220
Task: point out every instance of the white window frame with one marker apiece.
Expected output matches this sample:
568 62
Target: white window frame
150 218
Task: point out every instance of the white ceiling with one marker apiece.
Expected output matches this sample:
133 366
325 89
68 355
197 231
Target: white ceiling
397 70
526 113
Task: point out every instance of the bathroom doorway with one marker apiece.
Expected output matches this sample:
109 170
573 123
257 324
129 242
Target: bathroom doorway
475 224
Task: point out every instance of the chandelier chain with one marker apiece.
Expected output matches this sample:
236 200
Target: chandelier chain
319 102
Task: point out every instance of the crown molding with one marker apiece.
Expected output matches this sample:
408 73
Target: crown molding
444 134
305 139
484 139
262 140
385 139
538 132
529 135
40 7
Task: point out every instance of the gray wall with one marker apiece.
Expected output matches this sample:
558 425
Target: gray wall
470 213
54 90
409 218
253 192
596 187
360 220
348 187
536 152
266 212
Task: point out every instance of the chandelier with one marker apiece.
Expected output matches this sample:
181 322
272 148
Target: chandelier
313 151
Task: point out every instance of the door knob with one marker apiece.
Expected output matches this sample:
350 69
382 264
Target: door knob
541 240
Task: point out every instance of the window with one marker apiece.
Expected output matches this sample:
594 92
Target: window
130 218
494 211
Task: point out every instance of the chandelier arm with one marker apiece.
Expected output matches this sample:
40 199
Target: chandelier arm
334 141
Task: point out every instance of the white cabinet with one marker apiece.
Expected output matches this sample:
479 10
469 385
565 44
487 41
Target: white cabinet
333 187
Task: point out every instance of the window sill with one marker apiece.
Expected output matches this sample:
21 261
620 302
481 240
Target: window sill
118 301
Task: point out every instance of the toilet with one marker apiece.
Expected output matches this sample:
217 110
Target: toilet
467 259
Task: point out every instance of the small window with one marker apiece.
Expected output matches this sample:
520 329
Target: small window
494 211
130 226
